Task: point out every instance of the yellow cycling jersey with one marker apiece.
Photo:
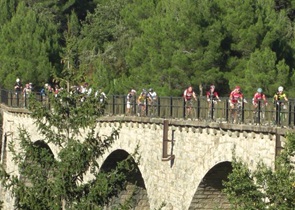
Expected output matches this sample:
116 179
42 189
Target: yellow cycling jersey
142 98
279 96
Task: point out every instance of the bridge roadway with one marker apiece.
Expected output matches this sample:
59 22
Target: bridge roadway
184 173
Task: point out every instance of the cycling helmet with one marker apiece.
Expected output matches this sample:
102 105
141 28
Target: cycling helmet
238 87
17 80
151 90
259 90
280 89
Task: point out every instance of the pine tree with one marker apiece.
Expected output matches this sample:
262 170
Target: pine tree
7 10
264 188
28 45
104 40
49 182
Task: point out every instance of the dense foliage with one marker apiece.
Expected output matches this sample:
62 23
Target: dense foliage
264 188
53 169
123 44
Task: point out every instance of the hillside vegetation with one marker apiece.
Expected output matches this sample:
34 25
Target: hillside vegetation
121 44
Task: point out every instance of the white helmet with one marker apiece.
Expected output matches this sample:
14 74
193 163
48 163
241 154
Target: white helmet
17 80
280 89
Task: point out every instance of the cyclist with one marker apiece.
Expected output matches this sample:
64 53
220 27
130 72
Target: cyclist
280 95
131 97
18 86
27 90
212 97
188 94
258 97
18 90
152 98
141 101
102 96
279 99
234 99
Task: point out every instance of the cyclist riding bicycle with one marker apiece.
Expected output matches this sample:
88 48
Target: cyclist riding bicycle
259 102
280 95
141 101
130 98
152 100
235 99
212 95
259 96
212 98
188 94
279 101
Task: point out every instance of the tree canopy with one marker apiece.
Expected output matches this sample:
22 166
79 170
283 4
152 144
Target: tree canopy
52 181
266 187
123 44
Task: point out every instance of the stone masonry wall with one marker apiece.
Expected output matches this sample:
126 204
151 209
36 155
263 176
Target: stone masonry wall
198 147
196 151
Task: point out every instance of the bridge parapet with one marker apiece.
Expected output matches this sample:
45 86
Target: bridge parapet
280 113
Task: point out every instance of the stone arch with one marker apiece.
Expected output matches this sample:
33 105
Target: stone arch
42 144
39 144
135 184
209 192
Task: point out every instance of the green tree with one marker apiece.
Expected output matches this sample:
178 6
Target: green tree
251 27
105 38
264 188
70 56
49 182
161 44
28 42
262 71
7 10
162 55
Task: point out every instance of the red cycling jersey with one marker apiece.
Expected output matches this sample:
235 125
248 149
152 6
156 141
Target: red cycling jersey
212 95
259 96
187 95
234 96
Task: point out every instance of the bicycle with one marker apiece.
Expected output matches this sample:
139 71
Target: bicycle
141 110
17 99
190 110
236 111
259 112
152 107
211 109
280 112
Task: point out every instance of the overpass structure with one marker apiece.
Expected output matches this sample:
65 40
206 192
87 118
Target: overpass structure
183 162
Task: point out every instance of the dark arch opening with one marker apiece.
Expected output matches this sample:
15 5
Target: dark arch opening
112 160
41 144
41 155
135 191
35 171
209 194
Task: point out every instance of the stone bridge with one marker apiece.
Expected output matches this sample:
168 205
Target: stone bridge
182 164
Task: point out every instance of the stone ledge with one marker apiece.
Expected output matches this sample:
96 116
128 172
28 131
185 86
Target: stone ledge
176 122
198 124
14 109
